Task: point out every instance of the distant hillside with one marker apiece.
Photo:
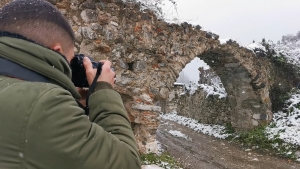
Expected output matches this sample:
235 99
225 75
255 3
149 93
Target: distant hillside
289 46
287 49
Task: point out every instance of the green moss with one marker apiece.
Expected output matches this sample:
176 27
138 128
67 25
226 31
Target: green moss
272 125
258 138
164 160
200 121
280 59
229 129
271 78
284 97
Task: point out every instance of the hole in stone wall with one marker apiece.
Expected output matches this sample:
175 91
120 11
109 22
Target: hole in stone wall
190 73
130 66
198 73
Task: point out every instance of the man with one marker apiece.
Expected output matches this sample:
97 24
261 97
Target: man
41 124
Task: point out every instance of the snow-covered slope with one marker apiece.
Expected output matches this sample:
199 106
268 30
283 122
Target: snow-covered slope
289 47
285 124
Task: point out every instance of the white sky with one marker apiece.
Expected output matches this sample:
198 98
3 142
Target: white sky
191 69
242 20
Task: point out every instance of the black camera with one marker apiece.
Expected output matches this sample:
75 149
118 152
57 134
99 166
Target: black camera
78 71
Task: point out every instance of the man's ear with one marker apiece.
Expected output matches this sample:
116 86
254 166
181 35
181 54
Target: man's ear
68 54
57 47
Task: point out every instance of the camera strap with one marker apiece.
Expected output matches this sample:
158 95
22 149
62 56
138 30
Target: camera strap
92 88
11 69
14 70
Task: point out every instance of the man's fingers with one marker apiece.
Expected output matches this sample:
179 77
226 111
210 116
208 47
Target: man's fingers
106 63
90 72
107 74
87 62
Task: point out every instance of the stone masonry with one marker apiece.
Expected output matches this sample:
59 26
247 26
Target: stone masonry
205 109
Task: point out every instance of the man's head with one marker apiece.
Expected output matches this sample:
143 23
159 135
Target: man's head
41 22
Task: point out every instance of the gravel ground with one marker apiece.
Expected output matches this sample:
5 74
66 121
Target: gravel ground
199 151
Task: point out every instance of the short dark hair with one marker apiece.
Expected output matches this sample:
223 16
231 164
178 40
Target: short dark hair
37 20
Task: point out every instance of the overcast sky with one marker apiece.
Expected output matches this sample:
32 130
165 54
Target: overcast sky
242 20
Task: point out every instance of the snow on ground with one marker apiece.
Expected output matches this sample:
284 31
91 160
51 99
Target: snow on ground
159 165
212 130
214 90
192 88
151 167
160 150
215 87
290 49
287 125
177 133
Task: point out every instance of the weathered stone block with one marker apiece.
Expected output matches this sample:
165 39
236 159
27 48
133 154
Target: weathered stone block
88 33
89 16
256 116
146 107
96 27
145 97
255 123
260 116
123 64
139 66
89 4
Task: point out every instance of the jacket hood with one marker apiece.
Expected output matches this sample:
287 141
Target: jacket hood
42 60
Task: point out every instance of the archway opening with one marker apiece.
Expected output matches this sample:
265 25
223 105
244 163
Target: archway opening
198 75
198 93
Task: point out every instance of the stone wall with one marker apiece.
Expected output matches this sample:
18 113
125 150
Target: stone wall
171 104
148 55
207 110
198 105
245 78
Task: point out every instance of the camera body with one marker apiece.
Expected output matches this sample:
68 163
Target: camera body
78 71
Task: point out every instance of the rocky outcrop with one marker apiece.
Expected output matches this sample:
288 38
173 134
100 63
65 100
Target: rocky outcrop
148 55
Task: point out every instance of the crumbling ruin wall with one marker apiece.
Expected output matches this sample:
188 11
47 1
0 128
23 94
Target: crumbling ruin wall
205 109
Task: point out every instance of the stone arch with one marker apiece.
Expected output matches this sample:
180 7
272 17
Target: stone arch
245 78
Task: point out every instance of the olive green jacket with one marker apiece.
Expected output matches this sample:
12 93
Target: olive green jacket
41 125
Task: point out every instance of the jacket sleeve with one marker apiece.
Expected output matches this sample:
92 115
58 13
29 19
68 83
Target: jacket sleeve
60 136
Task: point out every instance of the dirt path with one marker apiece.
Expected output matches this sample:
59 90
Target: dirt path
200 151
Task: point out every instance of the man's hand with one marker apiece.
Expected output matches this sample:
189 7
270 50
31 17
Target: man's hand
83 93
107 75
